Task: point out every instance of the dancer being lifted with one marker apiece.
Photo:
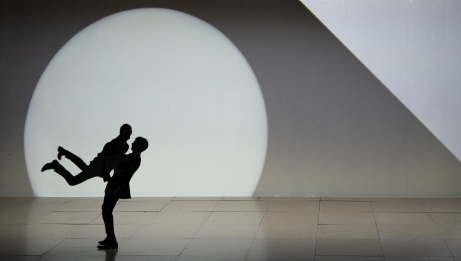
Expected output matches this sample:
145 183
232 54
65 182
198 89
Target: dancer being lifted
100 166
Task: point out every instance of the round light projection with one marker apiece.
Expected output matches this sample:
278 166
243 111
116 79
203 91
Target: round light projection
177 81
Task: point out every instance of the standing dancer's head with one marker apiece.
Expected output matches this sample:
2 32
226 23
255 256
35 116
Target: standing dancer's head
139 145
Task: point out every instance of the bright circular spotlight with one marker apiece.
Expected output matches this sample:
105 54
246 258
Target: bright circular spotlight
177 80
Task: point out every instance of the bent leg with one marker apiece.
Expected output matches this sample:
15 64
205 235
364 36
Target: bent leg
64 173
72 157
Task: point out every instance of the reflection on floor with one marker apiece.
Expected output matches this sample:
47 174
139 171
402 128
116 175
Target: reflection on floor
233 229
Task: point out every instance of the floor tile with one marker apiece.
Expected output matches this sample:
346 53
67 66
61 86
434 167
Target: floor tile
455 246
408 231
191 205
98 231
110 256
242 198
145 258
449 232
5 229
153 247
20 258
150 199
76 248
345 206
282 249
348 247
123 218
209 258
21 216
140 206
403 218
442 205
297 231
26 210
235 218
33 204
294 205
291 217
35 232
398 205
346 218
69 218
414 248
159 231
197 198
358 231
352 199
420 259
84 248
446 218
247 205
183 217
39 231
18 245
88 199
216 249
349 258
227 231
82 205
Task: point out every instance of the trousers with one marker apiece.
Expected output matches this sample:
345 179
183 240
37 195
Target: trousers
110 200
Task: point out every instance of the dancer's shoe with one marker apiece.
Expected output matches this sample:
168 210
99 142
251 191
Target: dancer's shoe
111 245
103 242
52 165
60 152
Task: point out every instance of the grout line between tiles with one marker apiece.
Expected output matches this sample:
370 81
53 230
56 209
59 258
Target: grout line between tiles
377 230
317 232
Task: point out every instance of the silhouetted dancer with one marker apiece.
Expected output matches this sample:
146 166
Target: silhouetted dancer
100 166
118 187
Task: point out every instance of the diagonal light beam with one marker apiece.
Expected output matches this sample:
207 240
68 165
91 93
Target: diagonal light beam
413 48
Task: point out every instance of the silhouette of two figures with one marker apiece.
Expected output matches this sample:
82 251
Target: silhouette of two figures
100 166
111 158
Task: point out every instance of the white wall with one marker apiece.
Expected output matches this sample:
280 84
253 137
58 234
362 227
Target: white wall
413 47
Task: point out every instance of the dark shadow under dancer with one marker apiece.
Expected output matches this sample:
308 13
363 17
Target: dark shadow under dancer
118 187
100 166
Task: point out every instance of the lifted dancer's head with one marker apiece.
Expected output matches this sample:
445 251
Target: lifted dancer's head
125 131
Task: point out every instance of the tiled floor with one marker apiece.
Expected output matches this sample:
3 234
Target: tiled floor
233 229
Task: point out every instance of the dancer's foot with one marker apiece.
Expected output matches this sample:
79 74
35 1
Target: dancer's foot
108 243
60 152
108 246
103 242
52 165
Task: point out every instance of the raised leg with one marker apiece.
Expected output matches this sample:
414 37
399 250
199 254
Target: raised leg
72 157
70 179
